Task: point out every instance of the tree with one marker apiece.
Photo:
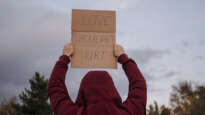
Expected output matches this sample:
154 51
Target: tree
165 110
182 98
6 107
154 109
187 99
34 101
199 105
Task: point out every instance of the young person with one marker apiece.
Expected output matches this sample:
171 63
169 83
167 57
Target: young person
97 94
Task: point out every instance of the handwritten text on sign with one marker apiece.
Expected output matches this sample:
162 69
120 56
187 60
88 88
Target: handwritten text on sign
93 36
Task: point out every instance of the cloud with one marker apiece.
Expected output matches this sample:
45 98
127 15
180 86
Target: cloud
143 56
35 44
199 58
162 37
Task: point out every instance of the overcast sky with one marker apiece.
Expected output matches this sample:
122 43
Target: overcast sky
165 38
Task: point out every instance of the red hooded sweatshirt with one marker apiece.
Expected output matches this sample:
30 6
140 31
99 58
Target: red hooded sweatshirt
97 94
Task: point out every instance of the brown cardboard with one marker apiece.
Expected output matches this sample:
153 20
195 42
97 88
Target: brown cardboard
93 42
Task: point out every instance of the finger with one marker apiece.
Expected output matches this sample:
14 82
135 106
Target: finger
68 44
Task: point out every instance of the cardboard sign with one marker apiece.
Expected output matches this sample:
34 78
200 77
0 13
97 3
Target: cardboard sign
93 37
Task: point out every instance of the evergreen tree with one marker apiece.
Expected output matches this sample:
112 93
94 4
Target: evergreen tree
34 101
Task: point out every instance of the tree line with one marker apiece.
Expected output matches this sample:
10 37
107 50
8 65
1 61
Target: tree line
185 99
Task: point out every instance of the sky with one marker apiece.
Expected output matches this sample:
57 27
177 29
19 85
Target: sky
166 38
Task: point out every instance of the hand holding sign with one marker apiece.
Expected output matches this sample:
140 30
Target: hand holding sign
118 50
68 49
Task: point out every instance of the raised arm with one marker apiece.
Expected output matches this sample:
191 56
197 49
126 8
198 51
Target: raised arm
137 95
60 100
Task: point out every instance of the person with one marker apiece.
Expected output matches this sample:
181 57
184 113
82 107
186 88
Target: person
97 94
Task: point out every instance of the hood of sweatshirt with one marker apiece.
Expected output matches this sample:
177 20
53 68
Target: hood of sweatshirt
98 94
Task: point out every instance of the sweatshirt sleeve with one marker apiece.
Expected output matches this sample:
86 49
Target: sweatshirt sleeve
61 103
137 94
